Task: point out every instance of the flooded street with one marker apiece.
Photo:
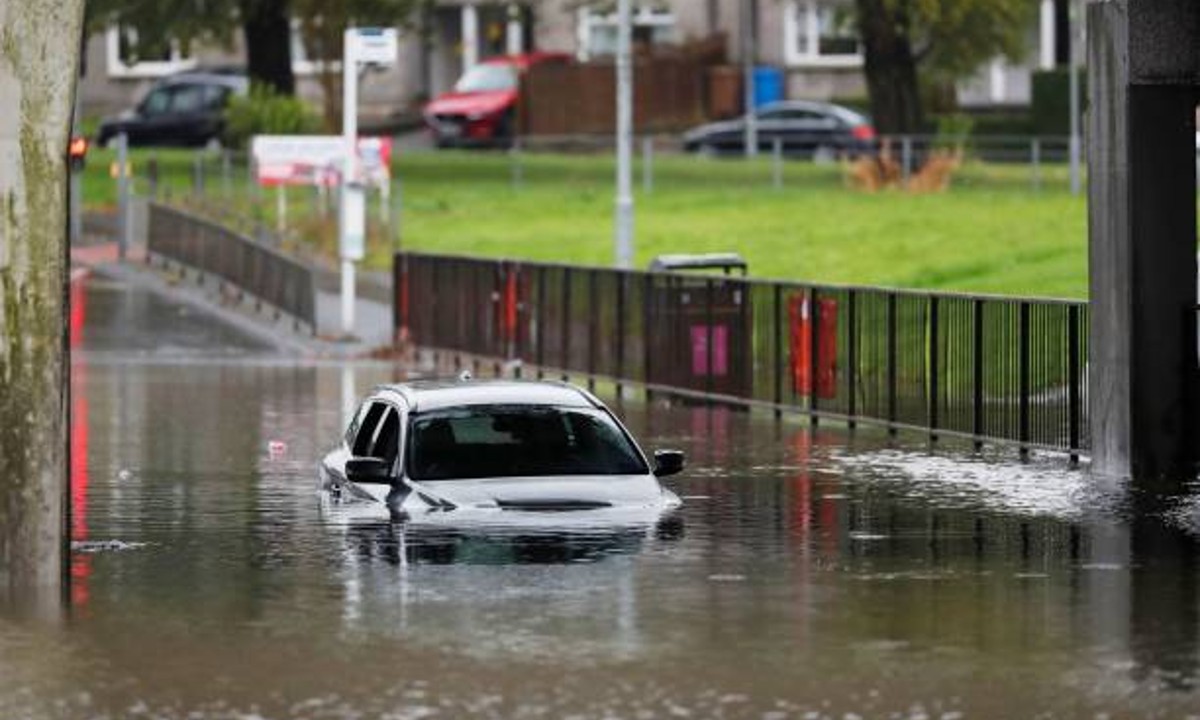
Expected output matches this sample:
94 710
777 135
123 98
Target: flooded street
811 573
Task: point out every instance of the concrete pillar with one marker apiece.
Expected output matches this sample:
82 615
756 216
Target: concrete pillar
1142 71
38 65
470 36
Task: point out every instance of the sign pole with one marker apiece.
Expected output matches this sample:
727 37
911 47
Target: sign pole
624 209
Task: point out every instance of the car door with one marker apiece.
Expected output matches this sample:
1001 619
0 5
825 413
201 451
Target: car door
186 119
809 130
772 127
153 116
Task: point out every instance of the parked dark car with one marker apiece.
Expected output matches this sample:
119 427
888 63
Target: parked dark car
186 109
481 109
807 129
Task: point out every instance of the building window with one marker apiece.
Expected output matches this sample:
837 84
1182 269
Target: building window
652 25
820 33
127 57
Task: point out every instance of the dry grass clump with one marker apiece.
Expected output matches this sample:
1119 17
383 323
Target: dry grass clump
872 174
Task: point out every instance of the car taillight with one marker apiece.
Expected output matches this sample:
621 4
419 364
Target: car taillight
77 153
864 132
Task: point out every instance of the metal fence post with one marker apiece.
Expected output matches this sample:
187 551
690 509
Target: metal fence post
891 362
1023 342
227 174
648 164
647 315
516 172
977 417
777 291
777 163
851 357
1073 380
906 158
814 348
1035 159
593 323
198 173
565 340
934 367
152 177
540 322
619 370
709 288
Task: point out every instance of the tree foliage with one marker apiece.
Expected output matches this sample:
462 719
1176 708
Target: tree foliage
908 43
265 26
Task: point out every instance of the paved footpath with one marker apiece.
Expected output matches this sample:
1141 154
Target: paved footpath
373 320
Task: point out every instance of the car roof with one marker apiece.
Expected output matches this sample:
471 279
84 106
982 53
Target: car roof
232 81
525 60
424 395
839 111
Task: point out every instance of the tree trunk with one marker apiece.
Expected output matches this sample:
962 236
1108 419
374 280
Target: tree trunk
890 66
266 27
39 62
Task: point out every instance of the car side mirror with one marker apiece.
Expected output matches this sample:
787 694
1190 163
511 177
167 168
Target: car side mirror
369 470
667 462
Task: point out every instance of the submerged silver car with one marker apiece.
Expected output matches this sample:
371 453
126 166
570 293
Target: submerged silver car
498 447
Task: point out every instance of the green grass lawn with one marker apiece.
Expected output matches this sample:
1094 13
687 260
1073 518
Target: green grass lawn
990 233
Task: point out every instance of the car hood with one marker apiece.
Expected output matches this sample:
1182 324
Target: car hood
474 103
533 494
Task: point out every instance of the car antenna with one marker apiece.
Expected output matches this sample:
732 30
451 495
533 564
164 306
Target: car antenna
464 376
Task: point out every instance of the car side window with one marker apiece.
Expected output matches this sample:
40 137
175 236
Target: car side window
364 437
214 97
187 98
157 102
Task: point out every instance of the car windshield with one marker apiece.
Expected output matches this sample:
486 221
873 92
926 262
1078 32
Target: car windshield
487 77
518 441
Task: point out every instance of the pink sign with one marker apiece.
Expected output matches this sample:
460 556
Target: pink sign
700 334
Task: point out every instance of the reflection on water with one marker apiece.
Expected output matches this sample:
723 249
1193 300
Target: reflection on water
810 573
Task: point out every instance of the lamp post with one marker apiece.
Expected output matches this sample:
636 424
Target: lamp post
623 230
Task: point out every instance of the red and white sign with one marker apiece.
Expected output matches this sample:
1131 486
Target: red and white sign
317 159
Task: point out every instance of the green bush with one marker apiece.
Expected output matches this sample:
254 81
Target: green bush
266 112
1051 107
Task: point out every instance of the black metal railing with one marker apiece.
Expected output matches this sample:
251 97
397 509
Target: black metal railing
984 367
250 267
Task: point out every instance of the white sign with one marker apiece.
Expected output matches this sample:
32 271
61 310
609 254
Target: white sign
379 46
317 159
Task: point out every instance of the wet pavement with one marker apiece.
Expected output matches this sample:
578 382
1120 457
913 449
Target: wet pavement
812 573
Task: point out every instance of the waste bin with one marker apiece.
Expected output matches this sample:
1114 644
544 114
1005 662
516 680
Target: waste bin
699 324
768 85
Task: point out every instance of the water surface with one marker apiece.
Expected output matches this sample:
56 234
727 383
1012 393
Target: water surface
814 573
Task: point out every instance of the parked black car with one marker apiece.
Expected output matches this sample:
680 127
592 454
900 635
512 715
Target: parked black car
809 129
186 109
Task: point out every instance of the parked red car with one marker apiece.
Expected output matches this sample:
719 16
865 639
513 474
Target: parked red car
481 109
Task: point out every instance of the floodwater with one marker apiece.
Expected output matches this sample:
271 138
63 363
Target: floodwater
812 573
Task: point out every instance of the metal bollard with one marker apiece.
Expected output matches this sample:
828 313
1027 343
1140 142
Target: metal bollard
123 203
777 164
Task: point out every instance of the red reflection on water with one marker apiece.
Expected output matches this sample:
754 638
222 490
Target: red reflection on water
81 563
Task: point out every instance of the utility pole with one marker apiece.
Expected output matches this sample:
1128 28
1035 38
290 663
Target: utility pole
749 17
39 64
1073 67
624 205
